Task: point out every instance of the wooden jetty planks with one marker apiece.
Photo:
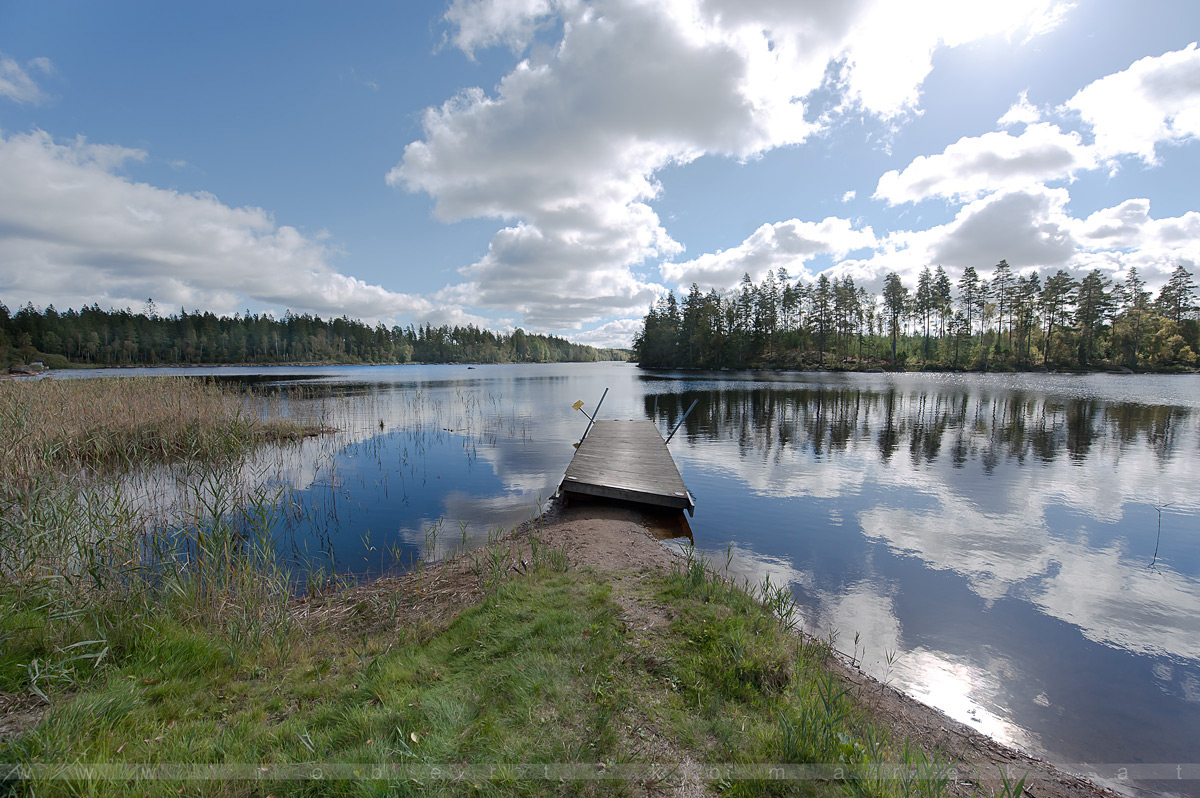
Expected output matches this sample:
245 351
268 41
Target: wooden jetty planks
626 460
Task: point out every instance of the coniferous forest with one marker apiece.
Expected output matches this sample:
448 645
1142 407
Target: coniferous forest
92 336
1009 322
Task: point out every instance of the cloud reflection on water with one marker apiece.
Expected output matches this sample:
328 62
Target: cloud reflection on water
1031 496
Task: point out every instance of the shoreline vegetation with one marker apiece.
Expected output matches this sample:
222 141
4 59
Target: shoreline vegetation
1010 322
572 655
92 337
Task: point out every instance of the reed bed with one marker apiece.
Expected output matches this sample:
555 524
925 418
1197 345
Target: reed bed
52 427
88 566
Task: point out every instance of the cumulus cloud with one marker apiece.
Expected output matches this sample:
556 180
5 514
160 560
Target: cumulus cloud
997 161
617 334
565 148
1156 100
1127 235
1010 212
1028 227
68 218
789 244
18 85
1032 229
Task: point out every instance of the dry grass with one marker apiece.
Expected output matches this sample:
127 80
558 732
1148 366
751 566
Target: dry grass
59 426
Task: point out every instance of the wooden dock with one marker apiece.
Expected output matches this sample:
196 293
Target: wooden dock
626 460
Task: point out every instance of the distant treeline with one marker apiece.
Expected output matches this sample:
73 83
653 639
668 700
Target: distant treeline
1008 322
98 337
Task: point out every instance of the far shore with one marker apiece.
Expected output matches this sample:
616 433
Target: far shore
755 368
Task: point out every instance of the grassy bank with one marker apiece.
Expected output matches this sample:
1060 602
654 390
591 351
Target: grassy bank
542 686
135 648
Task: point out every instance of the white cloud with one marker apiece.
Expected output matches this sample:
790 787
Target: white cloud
1022 112
1120 227
849 196
1032 229
889 50
1126 235
566 147
567 150
789 244
998 161
1156 100
73 231
1028 227
513 23
617 334
1010 211
18 85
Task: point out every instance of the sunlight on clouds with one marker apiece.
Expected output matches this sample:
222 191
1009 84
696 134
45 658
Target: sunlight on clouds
1022 112
513 23
1156 100
998 161
890 53
1126 235
1010 211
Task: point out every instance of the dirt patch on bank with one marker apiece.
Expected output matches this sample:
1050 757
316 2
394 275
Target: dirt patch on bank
19 714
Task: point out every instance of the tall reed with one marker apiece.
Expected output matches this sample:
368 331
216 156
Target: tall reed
87 563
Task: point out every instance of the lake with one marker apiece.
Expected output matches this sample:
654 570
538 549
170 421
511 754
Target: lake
1020 551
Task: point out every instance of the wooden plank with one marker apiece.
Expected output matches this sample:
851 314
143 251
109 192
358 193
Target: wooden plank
626 460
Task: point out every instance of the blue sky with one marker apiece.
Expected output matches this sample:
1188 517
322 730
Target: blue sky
556 164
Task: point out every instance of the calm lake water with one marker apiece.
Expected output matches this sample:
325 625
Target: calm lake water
1021 551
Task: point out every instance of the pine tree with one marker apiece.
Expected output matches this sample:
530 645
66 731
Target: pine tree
1093 305
1176 299
895 300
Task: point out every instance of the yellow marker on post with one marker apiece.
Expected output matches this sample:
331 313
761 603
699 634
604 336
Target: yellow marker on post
592 418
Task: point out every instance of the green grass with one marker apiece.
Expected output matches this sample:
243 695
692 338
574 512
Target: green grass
752 693
542 671
89 576
517 679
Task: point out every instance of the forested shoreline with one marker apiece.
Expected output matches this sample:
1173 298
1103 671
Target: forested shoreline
95 337
1007 322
